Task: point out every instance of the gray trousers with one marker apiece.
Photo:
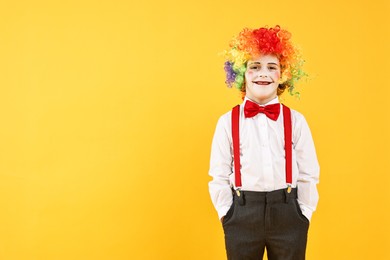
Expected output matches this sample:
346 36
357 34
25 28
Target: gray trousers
259 220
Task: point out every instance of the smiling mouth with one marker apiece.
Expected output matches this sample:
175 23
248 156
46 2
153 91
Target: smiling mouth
263 83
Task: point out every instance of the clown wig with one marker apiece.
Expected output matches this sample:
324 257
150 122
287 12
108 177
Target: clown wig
250 44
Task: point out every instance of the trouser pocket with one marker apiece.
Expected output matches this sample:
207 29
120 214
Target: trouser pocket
299 212
229 214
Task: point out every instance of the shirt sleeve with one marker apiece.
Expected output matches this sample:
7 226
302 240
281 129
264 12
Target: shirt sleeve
308 176
221 168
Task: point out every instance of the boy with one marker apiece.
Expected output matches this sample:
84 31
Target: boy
263 161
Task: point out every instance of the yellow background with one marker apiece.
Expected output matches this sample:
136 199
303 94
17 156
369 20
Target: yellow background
108 108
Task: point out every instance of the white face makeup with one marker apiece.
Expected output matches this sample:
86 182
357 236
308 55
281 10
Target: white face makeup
262 78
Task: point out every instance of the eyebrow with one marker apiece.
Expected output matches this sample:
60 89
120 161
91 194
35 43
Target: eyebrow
270 63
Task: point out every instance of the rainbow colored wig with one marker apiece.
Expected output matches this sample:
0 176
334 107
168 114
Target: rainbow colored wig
250 44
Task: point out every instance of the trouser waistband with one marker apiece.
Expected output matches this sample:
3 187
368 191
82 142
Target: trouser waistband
267 197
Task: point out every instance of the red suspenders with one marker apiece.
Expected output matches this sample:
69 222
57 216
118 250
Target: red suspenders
288 144
236 145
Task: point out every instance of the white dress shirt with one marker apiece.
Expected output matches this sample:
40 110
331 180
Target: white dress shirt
263 161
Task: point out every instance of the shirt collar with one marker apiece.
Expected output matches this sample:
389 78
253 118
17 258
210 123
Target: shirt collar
273 101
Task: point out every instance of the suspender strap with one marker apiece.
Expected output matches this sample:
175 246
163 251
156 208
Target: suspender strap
236 144
287 140
288 143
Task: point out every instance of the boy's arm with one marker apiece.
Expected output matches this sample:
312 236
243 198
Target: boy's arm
221 168
308 167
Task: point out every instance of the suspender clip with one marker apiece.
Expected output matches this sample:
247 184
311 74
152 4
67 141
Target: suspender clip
289 188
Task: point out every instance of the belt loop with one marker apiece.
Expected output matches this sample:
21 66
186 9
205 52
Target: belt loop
241 197
287 193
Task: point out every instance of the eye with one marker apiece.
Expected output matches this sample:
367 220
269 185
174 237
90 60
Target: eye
254 67
272 68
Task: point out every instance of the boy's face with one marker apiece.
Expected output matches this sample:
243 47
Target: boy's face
262 78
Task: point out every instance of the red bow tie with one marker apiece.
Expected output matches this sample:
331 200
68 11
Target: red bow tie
271 111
